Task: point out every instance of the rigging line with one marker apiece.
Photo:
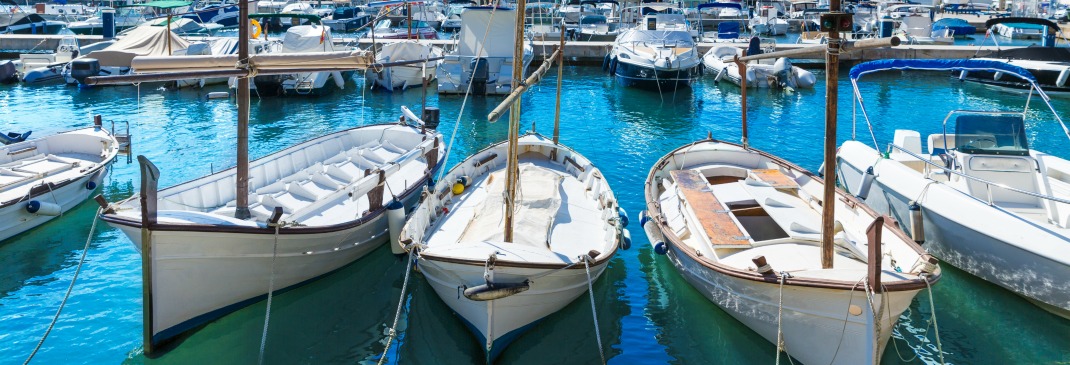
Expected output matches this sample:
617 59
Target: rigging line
468 91
70 288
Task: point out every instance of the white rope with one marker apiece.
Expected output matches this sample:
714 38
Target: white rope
594 312
401 304
780 345
270 294
936 327
70 288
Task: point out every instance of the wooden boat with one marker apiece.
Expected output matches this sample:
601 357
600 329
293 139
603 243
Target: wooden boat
314 208
979 197
517 231
40 179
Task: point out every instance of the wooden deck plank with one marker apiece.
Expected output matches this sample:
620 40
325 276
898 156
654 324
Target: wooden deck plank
776 178
714 218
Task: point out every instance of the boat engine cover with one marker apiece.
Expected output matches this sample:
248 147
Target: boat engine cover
85 67
8 72
480 75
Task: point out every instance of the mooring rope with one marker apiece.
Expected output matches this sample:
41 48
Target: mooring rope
936 326
780 345
594 312
401 304
270 295
70 288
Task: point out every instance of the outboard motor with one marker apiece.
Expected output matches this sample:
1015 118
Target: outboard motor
784 73
480 75
8 72
83 68
430 117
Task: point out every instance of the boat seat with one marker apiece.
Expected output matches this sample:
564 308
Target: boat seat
10 179
46 166
775 178
715 219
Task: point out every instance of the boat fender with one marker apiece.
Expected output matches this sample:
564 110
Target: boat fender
492 291
866 183
996 76
218 95
613 66
395 219
917 225
962 75
804 79
623 216
651 229
660 248
1061 81
458 188
625 238
90 185
338 79
43 208
605 63
821 170
720 74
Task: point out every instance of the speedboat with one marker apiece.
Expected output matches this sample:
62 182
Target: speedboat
40 68
313 208
659 55
597 28
223 13
977 195
777 73
916 26
125 18
29 23
768 22
1049 64
405 76
40 179
482 59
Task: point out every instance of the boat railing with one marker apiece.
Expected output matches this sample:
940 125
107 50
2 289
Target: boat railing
988 184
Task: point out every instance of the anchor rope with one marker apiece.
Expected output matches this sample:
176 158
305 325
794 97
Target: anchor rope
401 304
594 312
270 294
780 345
77 270
936 326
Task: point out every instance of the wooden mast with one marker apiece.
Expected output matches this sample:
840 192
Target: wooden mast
512 168
832 69
241 209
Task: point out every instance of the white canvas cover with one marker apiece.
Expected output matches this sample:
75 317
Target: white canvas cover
405 51
142 41
307 38
538 202
499 40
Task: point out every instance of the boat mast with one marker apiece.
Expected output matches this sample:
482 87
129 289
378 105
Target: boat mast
832 69
512 168
241 209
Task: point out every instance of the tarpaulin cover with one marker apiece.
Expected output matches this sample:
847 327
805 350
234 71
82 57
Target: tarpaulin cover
940 65
141 41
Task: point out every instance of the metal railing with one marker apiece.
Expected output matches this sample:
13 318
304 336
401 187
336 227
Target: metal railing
988 184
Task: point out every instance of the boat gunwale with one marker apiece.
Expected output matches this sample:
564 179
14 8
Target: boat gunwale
654 210
516 264
113 152
113 218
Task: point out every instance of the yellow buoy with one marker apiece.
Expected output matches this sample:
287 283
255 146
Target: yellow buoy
458 188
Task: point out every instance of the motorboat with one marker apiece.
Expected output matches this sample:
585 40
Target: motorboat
224 13
779 73
1049 64
405 76
541 22
660 55
40 179
597 28
43 68
348 18
313 208
768 22
452 23
314 37
960 28
482 58
219 47
978 196
1029 30
180 26
572 10
916 27
29 23
115 59
125 17
385 29
727 19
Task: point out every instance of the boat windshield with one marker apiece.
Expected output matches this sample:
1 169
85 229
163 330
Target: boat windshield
988 134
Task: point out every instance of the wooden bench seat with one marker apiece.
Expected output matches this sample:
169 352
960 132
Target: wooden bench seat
715 219
776 178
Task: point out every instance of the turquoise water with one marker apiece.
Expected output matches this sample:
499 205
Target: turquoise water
647 313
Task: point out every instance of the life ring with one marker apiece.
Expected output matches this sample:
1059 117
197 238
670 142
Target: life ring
256 24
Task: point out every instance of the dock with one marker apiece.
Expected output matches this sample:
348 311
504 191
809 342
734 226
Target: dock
575 51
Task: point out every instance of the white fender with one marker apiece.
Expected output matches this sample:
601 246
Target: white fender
1062 77
805 79
996 76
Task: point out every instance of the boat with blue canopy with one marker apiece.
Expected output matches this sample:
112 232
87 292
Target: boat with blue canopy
977 195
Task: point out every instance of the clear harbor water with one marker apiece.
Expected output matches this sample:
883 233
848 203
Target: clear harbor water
646 312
